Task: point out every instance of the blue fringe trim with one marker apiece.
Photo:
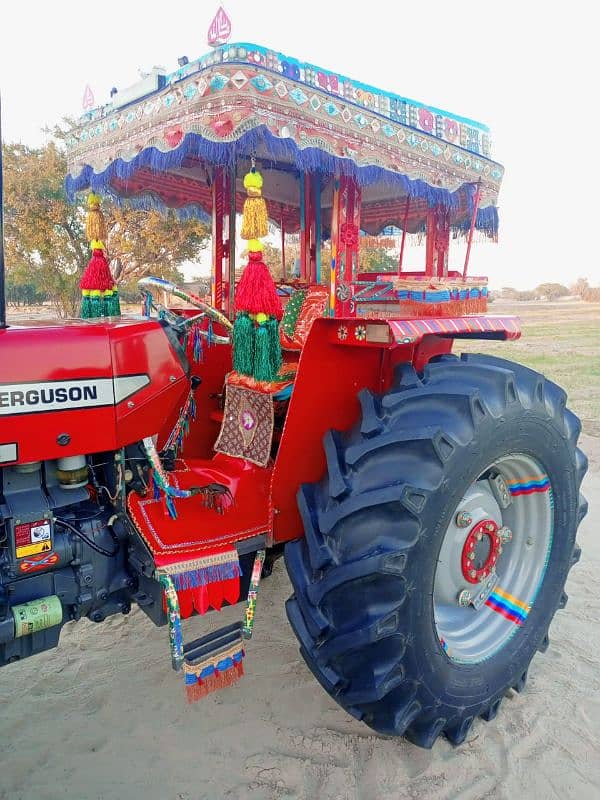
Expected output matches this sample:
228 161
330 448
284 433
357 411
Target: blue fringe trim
310 159
205 575
440 295
221 666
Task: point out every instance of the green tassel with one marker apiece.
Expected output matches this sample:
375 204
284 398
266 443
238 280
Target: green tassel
96 306
275 346
263 368
86 310
112 307
243 344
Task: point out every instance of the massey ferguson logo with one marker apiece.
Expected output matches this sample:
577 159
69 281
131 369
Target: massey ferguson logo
28 398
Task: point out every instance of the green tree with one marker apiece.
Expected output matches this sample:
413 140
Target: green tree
376 259
45 234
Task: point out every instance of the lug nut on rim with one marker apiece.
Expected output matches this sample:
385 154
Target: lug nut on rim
464 598
505 534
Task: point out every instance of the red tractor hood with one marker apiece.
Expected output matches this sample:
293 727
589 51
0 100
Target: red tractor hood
75 387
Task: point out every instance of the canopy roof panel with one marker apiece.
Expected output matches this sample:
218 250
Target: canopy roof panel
157 146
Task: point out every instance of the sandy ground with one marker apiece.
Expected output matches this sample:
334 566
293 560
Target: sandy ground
104 717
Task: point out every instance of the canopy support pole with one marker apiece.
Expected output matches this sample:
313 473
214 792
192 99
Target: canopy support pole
403 242
232 226
472 228
219 251
317 222
345 230
282 226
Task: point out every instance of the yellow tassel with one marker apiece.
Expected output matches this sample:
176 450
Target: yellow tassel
255 221
95 226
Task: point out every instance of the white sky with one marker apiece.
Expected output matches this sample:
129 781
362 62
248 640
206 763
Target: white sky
529 70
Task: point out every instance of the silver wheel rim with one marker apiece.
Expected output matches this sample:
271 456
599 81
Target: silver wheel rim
476 614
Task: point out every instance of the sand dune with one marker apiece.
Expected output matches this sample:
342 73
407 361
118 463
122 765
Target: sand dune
103 717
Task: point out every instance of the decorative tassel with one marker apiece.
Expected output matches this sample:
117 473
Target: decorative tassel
256 292
86 305
197 345
170 506
210 336
274 345
214 673
112 307
147 304
263 369
96 304
243 344
255 223
97 282
95 226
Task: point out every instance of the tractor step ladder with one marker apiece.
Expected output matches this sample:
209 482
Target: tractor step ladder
213 661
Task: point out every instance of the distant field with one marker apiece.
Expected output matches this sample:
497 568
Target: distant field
561 340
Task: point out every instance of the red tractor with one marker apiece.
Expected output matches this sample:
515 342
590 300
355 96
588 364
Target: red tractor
426 503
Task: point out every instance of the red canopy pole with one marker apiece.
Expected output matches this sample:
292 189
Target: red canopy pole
472 228
282 225
218 248
404 224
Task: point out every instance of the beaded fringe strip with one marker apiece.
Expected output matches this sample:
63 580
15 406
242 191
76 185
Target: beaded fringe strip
182 426
214 672
161 479
202 571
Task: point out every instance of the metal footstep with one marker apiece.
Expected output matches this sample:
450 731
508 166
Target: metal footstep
216 660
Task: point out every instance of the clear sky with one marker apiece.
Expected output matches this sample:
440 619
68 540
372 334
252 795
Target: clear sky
529 70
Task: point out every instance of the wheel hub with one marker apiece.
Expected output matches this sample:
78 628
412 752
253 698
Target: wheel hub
481 551
492 559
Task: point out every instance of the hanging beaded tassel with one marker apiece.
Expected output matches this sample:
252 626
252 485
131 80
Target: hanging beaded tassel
255 223
99 296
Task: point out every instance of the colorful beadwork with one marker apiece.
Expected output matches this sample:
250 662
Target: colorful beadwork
204 570
174 619
214 672
182 426
253 594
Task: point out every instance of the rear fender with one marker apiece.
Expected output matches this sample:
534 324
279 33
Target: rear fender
340 358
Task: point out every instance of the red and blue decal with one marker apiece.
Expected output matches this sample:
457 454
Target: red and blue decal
508 606
532 485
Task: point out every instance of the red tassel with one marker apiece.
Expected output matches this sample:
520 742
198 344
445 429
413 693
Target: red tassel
97 275
256 292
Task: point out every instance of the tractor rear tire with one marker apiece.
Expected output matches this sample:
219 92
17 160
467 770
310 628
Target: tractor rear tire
368 572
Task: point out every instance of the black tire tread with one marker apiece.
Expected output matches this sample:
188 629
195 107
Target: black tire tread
458 394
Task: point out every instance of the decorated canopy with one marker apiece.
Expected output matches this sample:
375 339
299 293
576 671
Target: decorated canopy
156 144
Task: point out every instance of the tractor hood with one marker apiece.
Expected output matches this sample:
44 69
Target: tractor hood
75 387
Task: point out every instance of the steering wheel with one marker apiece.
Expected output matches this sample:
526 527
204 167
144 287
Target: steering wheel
181 323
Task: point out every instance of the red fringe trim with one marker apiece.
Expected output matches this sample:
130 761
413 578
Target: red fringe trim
215 682
454 308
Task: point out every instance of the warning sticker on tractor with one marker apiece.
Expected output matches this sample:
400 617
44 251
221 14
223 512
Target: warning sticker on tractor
32 538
